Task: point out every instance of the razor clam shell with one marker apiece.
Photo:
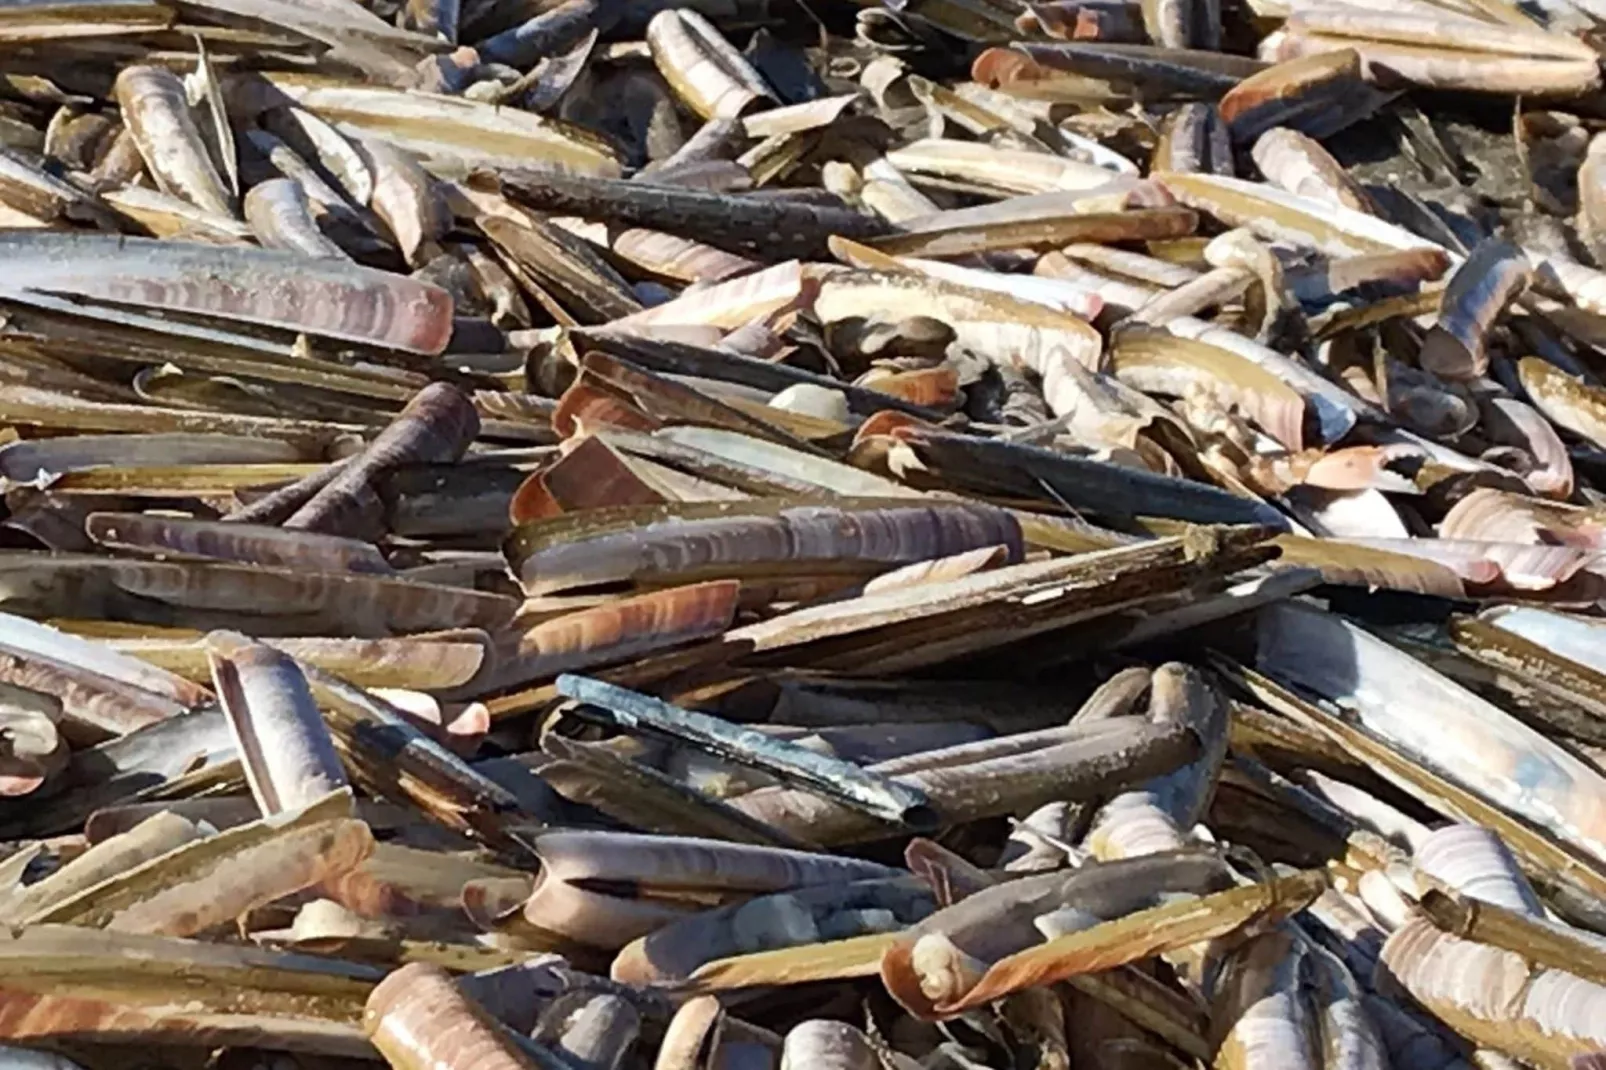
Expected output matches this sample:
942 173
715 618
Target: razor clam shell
1562 694
1312 95
640 796
418 1017
245 543
679 541
1016 171
999 921
1575 638
27 638
670 357
1301 166
787 919
843 781
279 733
1337 410
1494 996
405 198
382 746
207 882
1474 861
1279 216
1575 406
1085 764
1448 68
437 425
40 461
992 608
995 466
318 142
144 760
66 982
425 662
1048 219
706 72
1158 815
1160 363
559 901
321 297
451 133
279 213
1493 275
1123 940
615 631
1448 729
158 115
772 227
150 839
357 605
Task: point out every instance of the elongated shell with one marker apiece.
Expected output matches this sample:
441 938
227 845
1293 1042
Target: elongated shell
1576 406
455 132
1479 291
262 286
151 838
1160 815
437 426
706 72
1580 639
1260 1005
1279 216
1473 860
682 870
1301 166
938 960
789 919
819 1044
1159 362
407 199
158 115
419 1019
620 630
246 543
280 215
1545 1017
19 635
644 544
289 757
1436 721
1161 929
1301 95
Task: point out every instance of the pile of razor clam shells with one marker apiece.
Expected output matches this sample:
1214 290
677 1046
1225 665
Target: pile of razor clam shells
802 535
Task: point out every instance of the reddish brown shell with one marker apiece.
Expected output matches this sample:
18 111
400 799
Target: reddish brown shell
588 476
590 405
419 1019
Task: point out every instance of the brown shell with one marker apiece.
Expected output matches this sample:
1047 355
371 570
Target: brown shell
997 922
322 297
590 474
1284 94
419 1019
619 630
656 543
591 404
244 543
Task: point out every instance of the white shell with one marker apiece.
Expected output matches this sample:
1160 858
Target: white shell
1473 860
